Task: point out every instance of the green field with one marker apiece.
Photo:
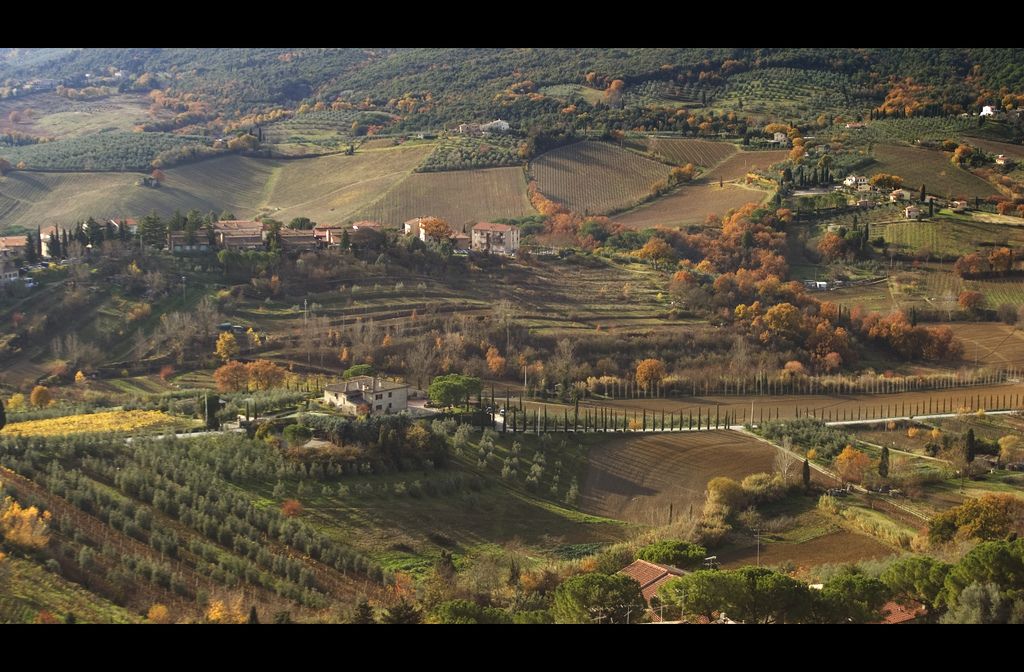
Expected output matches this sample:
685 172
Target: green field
567 92
930 168
55 116
333 188
595 177
945 236
460 197
784 92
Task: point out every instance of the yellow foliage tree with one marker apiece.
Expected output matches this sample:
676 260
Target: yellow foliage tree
158 613
80 378
912 432
1011 449
936 434
16 402
227 346
27 528
220 611
40 396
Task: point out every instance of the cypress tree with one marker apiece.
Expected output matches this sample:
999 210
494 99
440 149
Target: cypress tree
883 463
253 618
970 445
3 414
807 474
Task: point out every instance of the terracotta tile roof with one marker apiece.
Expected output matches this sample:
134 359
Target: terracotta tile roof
13 241
651 589
896 613
488 226
644 572
238 225
650 576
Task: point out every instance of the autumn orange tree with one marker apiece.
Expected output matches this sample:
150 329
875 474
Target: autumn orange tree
832 246
291 507
657 251
970 301
851 464
232 377
40 396
436 229
495 362
649 372
265 375
1001 259
886 181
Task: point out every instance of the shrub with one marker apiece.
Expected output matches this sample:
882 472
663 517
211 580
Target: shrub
680 554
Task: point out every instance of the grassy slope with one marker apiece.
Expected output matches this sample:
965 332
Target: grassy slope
931 168
327 188
26 588
458 197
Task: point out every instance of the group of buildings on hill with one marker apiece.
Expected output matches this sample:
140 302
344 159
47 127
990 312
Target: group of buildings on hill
242 235
500 239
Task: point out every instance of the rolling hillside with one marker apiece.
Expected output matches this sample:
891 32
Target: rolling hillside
329 188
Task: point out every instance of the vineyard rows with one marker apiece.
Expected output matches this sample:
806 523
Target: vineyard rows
698 152
595 177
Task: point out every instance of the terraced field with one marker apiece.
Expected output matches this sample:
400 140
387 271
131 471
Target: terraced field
460 197
596 177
